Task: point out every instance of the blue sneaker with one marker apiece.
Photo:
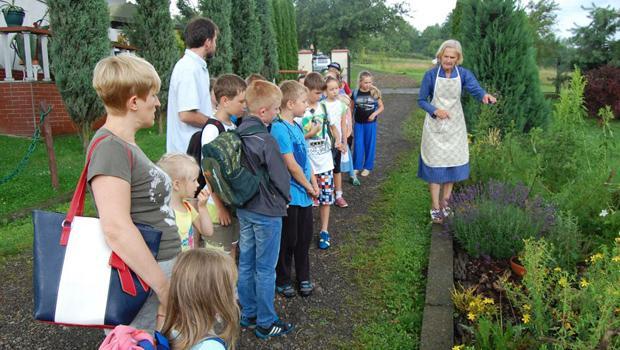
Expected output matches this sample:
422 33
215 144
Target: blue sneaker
324 240
248 322
276 329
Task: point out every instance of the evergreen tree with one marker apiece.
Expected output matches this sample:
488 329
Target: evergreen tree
153 33
498 49
85 23
220 13
286 34
597 43
268 39
245 26
291 32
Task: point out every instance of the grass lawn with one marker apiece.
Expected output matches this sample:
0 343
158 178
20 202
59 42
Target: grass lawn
390 262
33 184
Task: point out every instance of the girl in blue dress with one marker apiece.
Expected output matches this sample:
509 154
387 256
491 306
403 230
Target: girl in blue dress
444 152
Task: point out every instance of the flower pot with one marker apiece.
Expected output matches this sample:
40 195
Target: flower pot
517 268
14 18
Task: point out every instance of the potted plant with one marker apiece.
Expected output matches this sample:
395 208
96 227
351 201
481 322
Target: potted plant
13 14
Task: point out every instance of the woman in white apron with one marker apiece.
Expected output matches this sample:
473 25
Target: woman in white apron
444 154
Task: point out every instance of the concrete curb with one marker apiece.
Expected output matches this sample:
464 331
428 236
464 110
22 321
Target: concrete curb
437 322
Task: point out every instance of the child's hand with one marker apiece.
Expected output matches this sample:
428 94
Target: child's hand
315 189
372 117
203 196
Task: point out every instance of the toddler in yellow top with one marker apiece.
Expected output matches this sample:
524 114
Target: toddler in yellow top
183 171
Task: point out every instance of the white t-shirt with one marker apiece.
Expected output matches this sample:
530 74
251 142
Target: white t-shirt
209 134
319 146
335 111
189 90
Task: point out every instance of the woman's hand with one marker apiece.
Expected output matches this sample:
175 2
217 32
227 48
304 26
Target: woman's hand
162 296
441 113
489 99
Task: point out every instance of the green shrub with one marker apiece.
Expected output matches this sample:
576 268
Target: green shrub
495 218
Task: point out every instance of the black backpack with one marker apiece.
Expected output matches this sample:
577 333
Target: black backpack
194 148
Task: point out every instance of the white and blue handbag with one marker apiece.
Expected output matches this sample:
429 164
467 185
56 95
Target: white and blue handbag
77 279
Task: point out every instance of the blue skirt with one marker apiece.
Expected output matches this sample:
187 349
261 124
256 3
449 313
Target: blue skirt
442 175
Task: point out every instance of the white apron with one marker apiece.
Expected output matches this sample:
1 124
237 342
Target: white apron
444 141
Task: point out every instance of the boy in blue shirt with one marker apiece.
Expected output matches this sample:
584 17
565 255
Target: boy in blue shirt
297 226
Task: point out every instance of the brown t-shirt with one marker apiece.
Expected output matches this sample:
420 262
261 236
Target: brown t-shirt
150 187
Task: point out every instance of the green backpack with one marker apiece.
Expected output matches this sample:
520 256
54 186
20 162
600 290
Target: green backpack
229 172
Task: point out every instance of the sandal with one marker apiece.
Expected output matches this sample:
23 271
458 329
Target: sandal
305 288
286 291
437 216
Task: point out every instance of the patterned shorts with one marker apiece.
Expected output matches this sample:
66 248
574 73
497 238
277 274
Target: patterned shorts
326 187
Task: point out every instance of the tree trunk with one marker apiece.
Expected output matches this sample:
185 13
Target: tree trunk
84 133
160 122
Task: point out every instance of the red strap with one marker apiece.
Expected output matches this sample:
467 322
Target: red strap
79 195
124 274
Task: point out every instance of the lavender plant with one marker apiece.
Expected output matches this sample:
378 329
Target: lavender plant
494 218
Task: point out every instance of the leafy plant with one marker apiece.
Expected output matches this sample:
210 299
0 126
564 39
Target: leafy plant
603 89
10 6
495 218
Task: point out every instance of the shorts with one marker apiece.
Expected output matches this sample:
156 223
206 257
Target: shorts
326 187
223 237
337 160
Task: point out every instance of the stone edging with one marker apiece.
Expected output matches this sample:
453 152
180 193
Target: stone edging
437 322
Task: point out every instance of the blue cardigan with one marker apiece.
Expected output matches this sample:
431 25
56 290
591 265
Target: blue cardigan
468 82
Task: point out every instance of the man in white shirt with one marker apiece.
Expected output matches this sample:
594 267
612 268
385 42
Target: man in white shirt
189 100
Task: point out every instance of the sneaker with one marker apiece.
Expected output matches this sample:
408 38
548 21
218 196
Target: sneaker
340 202
305 288
276 329
365 172
355 181
286 291
246 322
447 211
437 216
324 240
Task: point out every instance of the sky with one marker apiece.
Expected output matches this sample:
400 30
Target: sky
426 13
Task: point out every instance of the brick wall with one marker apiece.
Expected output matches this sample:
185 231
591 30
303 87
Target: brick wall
19 107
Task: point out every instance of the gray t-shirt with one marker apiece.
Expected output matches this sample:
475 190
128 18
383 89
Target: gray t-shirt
150 187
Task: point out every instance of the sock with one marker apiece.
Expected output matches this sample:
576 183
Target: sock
338 194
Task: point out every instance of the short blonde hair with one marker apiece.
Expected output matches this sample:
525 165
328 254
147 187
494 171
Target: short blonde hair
261 94
179 166
291 91
117 78
453 44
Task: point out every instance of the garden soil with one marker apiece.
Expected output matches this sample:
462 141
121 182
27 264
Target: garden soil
325 320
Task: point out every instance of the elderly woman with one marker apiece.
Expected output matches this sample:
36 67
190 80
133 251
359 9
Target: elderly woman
444 154
126 185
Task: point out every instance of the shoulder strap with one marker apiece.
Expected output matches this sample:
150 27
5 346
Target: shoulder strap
355 95
218 124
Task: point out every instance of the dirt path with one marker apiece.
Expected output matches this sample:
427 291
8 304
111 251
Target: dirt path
323 321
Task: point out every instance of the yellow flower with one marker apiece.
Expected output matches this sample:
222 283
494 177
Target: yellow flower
488 301
471 316
567 325
525 318
596 257
458 347
557 269
584 283
526 307
563 282
616 258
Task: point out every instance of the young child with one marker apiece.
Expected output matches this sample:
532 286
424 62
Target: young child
367 105
315 123
261 217
202 313
336 113
229 91
184 171
297 225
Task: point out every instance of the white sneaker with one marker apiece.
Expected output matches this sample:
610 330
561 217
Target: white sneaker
365 172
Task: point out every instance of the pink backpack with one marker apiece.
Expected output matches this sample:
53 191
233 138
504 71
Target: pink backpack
127 338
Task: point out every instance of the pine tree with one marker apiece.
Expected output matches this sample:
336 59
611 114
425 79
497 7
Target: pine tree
245 26
498 49
153 33
86 24
286 32
268 39
220 13
291 32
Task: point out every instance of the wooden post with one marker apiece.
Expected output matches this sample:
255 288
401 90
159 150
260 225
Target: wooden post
46 128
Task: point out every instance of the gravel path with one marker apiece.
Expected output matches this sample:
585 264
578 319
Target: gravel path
325 320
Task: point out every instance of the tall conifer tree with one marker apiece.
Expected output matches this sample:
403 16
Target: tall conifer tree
85 23
291 29
498 48
153 33
268 39
220 12
247 52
